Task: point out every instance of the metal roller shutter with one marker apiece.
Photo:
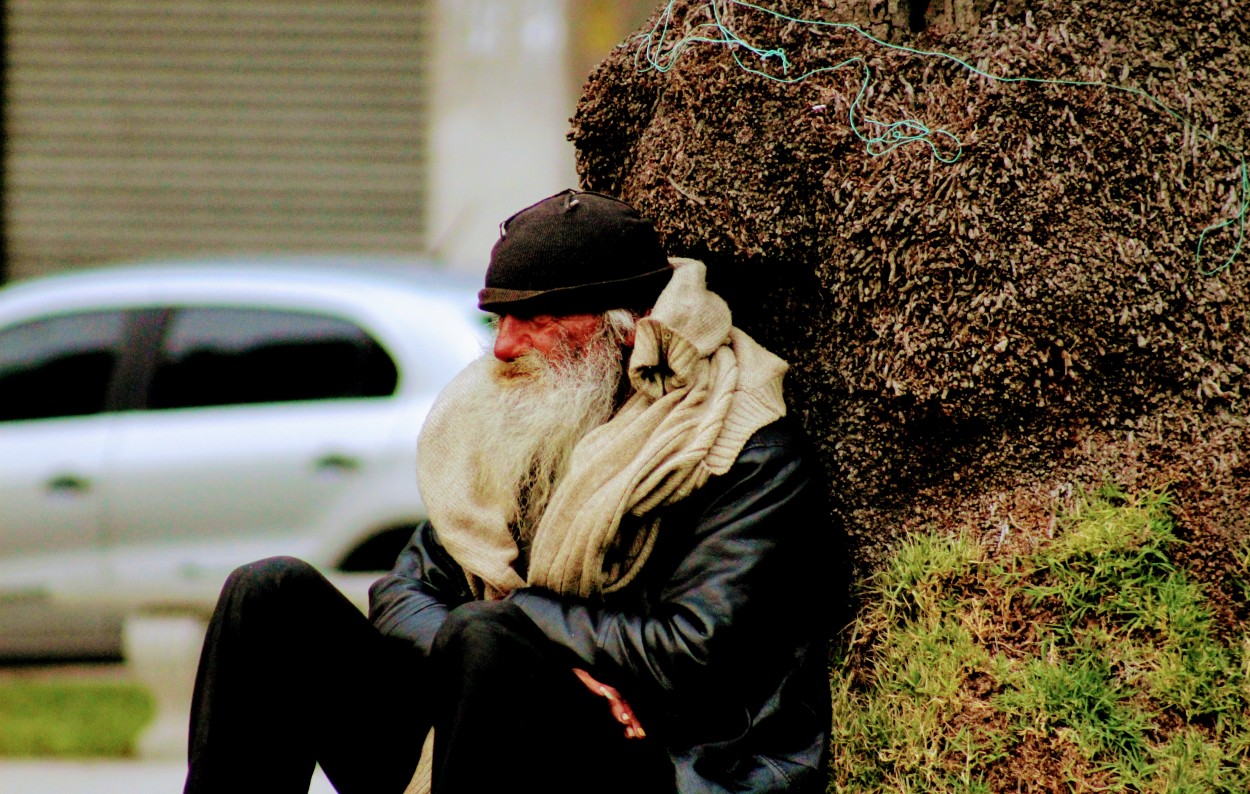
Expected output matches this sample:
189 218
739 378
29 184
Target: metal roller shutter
139 129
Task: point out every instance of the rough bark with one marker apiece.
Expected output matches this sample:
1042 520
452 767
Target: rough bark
969 340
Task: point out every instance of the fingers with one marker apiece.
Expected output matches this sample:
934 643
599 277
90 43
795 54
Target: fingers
624 714
621 711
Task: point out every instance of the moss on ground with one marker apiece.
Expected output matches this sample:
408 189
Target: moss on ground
1092 662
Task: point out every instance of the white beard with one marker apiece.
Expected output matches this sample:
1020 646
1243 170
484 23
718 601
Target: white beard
529 425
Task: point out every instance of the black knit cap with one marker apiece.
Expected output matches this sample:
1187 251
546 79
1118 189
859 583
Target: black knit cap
576 252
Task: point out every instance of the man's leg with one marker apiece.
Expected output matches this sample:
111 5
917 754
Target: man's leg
293 674
511 715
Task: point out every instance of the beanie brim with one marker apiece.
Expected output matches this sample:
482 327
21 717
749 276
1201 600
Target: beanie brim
636 292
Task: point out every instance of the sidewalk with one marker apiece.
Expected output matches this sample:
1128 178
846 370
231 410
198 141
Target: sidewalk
96 776
105 777
163 650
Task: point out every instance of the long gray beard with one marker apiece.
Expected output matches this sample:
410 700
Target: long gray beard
533 421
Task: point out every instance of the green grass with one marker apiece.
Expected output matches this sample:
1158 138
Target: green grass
1091 664
71 719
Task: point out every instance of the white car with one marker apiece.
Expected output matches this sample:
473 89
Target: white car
161 424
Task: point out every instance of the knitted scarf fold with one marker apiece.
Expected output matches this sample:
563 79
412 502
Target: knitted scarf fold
701 388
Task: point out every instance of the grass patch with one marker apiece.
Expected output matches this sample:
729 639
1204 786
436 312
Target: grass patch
1091 664
71 719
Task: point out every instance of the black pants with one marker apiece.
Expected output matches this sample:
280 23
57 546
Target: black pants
292 675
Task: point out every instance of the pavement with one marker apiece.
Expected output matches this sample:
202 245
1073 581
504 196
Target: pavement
163 650
164 775
105 777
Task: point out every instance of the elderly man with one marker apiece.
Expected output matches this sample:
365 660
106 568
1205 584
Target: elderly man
620 586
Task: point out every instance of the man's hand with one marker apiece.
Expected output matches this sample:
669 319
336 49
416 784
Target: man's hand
620 709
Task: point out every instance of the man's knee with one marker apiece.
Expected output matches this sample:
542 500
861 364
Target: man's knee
270 573
284 602
274 584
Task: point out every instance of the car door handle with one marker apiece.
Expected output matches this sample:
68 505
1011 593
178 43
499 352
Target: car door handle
68 485
336 464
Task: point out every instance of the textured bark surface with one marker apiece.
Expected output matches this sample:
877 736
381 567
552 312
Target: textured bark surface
969 340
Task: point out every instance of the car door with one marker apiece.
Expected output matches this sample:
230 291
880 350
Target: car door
56 377
258 422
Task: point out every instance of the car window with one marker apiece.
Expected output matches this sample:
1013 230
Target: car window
59 366
227 356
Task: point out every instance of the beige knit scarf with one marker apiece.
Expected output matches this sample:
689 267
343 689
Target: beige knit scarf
701 388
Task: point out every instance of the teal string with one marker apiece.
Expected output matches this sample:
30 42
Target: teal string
880 137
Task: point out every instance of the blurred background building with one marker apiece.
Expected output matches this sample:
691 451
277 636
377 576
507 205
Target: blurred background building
143 129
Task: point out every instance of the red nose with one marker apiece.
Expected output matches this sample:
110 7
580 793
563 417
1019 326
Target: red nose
512 340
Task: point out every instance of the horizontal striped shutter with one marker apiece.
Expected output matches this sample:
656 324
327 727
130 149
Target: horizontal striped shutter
148 128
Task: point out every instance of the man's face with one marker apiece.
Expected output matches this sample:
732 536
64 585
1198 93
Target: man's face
551 380
554 337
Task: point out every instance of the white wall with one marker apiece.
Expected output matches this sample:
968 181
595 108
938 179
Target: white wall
501 104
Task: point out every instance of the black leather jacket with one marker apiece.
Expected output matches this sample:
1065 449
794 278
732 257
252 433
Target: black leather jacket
719 645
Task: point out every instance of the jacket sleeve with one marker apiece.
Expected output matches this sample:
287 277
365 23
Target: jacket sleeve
412 601
737 607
